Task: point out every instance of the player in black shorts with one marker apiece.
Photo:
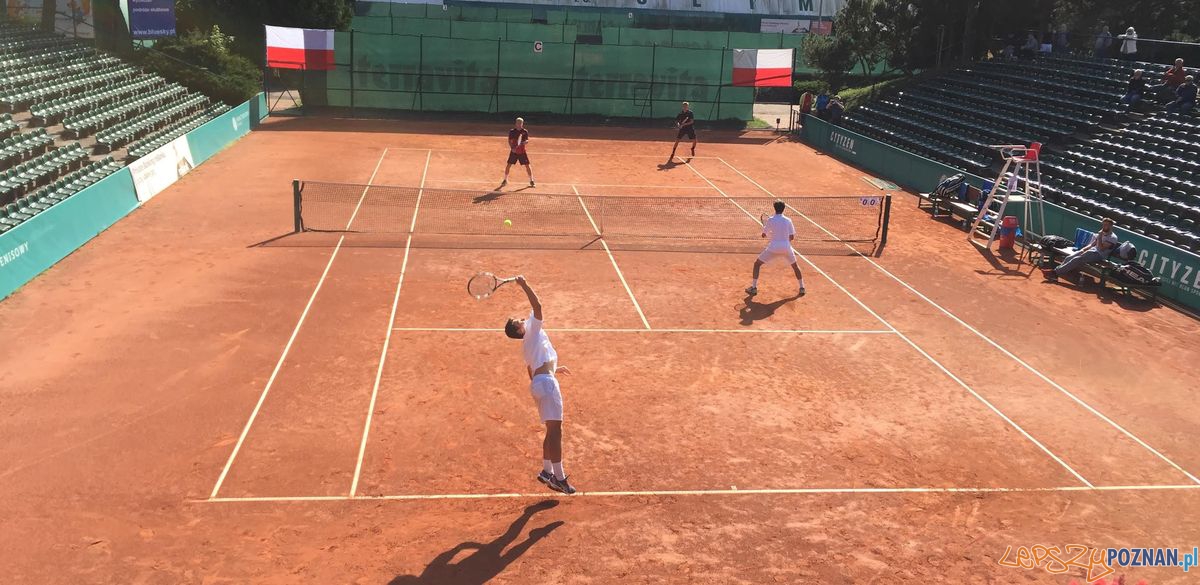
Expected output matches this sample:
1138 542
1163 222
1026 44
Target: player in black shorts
686 122
517 137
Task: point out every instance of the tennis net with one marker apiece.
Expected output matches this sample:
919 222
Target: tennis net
344 207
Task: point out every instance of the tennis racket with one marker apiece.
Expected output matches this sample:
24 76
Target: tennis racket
483 284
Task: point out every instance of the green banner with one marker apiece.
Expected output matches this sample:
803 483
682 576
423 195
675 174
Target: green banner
223 130
1179 269
41 241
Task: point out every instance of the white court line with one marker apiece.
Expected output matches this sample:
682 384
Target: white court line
910 342
718 492
625 186
387 340
603 330
551 153
994 344
611 257
295 332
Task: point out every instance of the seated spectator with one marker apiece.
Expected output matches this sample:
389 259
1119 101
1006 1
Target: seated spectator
1097 250
1172 79
1030 48
1103 43
1129 44
1062 41
1185 97
1137 88
836 109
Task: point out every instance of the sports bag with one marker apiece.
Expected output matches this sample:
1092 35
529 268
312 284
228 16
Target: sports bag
948 187
1134 273
1052 241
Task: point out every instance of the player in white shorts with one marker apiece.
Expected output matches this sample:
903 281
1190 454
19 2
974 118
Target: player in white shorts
781 232
542 363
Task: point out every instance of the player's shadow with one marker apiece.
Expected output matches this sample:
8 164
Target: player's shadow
754 311
495 194
672 164
488 560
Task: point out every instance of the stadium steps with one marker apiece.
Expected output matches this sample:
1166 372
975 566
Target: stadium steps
1143 170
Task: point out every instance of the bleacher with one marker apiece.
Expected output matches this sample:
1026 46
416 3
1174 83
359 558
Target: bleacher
1141 169
66 106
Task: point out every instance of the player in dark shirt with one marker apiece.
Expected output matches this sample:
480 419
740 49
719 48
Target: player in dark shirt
517 138
686 123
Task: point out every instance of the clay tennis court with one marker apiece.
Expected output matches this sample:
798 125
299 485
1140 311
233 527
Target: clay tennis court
197 396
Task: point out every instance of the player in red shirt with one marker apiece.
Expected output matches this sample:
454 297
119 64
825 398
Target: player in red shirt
517 138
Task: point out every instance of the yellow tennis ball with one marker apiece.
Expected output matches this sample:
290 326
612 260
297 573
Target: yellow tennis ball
508 223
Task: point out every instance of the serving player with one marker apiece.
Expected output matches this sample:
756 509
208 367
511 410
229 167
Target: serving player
517 138
781 233
541 362
686 123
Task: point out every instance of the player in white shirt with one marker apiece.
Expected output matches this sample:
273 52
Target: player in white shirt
541 362
781 233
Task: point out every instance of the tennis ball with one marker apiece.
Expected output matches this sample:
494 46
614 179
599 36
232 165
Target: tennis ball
508 223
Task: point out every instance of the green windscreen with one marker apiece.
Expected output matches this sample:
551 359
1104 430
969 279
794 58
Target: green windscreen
530 68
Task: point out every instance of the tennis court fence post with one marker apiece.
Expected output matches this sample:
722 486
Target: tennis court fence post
887 218
297 219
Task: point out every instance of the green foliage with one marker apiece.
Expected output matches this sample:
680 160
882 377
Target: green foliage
856 26
860 95
813 86
205 63
833 56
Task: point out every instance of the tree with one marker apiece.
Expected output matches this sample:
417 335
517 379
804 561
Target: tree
830 55
901 31
856 27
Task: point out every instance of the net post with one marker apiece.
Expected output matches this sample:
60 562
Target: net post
887 218
297 217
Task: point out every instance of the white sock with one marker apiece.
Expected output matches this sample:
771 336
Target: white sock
546 467
754 282
558 470
801 281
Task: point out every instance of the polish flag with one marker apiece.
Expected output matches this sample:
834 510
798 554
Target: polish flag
299 48
762 67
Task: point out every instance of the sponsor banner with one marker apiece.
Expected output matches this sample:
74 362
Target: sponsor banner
223 130
44 239
786 26
151 19
160 169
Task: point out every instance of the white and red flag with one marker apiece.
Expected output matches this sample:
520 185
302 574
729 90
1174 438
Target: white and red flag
762 67
299 48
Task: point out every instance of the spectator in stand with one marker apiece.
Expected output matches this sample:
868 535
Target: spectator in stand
1103 43
1047 45
1062 40
1172 79
1030 48
1098 250
1129 44
1137 88
822 106
836 109
1185 100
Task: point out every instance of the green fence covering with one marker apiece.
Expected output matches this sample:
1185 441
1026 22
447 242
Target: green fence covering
428 73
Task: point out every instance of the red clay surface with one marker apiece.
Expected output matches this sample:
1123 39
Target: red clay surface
131 369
